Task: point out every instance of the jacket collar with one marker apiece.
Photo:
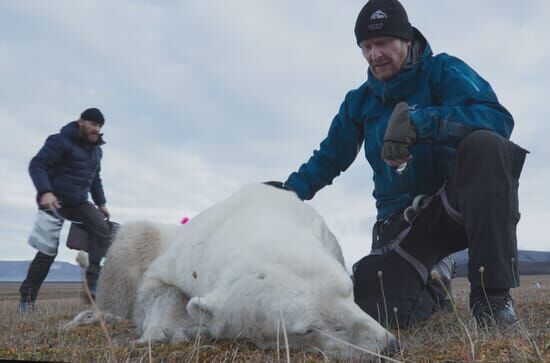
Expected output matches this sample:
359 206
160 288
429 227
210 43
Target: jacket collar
71 131
405 82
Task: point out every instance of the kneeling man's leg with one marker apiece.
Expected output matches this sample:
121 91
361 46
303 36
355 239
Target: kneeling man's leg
484 190
398 284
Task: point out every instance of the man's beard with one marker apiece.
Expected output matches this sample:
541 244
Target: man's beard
93 138
88 137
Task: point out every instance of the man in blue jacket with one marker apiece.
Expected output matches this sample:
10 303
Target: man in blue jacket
445 173
65 170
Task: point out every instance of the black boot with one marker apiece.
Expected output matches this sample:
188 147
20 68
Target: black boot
26 304
440 290
492 306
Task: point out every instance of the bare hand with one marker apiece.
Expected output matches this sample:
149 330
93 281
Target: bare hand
49 201
103 209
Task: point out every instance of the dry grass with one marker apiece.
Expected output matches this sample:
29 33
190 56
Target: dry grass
39 336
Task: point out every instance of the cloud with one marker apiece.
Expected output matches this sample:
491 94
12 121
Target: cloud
203 97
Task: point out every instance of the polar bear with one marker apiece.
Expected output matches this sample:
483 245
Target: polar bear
253 266
250 265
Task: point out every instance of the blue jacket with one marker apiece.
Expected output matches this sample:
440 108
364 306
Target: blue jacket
69 167
447 101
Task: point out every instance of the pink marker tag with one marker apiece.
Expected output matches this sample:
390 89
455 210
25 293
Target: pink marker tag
184 220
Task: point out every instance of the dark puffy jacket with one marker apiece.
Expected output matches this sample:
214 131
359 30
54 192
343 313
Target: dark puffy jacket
69 167
447 101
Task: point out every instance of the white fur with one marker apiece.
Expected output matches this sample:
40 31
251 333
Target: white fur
82 259
87 317
249 263
135 246
243 268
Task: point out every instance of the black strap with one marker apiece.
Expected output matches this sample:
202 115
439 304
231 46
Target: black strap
393 244
410 213
418 266
453 213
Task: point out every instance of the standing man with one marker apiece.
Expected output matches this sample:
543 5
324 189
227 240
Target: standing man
445 173
65 170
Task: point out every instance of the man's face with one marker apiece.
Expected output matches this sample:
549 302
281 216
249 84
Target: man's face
90 130
385 55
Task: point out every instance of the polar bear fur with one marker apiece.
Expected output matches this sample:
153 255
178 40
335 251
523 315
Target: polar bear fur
250 267
135 246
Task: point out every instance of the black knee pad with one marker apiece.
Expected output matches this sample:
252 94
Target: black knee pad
389 289
481 139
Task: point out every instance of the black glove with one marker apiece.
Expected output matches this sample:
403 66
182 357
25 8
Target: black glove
400 134
281 185
276 184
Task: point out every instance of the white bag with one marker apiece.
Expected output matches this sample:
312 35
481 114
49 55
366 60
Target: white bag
45 233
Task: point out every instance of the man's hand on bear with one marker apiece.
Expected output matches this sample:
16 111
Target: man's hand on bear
276 184
280 185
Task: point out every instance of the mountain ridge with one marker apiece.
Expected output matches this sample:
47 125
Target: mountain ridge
530 263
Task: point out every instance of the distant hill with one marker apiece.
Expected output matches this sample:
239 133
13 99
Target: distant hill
60 271
530 263
523 256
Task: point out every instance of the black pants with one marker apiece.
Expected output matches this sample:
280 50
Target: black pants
478 211
97 227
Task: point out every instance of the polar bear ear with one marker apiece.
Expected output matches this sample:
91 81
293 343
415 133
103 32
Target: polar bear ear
199 308
327 238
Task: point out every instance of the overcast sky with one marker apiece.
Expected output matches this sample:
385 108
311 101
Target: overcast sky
201 97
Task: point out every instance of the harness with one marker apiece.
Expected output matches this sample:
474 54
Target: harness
402 223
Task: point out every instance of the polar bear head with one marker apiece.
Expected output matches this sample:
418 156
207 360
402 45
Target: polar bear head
314 314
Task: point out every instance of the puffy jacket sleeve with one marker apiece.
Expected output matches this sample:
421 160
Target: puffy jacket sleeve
45 160
98 195
336 153
466 102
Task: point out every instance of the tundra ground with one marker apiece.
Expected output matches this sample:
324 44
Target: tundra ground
445 337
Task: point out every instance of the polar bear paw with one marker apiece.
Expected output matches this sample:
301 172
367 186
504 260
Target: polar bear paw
90 317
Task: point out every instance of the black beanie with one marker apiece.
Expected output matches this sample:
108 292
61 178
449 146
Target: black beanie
380 18
93 114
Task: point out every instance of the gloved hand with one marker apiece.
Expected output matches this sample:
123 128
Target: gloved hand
281 185
276 184
399 136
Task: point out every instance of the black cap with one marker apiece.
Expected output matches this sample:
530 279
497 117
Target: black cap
93 114
380 18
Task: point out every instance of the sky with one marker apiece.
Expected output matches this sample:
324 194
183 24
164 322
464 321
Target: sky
202 97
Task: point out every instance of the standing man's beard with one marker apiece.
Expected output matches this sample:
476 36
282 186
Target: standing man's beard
88 137
93 138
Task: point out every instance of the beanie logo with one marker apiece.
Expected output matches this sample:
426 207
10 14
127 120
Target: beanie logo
376 26
378 14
